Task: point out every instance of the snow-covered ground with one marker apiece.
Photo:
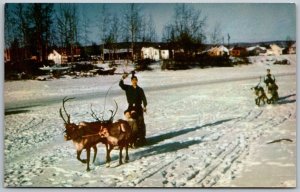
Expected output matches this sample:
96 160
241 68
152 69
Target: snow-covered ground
203 130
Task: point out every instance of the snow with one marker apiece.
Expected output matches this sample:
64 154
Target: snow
203 130
256 47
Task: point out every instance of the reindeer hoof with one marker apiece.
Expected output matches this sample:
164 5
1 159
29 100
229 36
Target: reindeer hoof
107 164
88 169
83 161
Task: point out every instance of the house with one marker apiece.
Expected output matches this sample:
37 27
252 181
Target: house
256 50
150 53
292 49
238 52
56 57
274 50
123 53
164 54
218 51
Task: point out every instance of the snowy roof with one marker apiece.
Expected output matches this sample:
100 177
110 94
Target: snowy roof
54 53
256 47
223 48
220 48
274 46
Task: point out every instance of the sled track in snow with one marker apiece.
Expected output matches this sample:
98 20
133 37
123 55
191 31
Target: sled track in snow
233 145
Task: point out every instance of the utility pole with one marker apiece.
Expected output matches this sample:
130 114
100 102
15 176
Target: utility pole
228 38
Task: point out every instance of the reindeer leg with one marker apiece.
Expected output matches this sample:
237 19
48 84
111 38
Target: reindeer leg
88 153
120 156
95 152
126 157
78 156
108 150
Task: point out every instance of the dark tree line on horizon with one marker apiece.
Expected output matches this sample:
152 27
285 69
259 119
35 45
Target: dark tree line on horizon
32 29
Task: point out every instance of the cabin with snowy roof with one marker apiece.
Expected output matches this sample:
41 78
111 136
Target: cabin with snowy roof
256 50
239 52
274 50
218 51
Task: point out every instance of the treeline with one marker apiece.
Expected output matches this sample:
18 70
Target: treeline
33 29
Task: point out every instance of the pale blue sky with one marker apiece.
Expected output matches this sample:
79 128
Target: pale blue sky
244 22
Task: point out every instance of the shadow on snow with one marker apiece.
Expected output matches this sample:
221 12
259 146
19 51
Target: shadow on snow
282 100
156 139
168 147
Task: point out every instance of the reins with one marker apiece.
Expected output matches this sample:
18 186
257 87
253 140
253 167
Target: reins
132 72
90 135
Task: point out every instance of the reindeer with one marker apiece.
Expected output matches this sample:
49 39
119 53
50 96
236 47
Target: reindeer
118 134
260 95
85 135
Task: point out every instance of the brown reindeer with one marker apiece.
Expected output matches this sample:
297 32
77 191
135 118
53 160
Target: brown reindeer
118 134
85 135
260 95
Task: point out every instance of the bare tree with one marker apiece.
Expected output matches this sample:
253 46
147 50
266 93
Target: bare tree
21 28
186 30
40 16
228 39
148 31
114 34
132 24
9 31
8 27
85 32
216 35
86 29
30 26
103 23
67 25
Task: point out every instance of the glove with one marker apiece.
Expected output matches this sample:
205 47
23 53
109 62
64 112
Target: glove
145 109
125 75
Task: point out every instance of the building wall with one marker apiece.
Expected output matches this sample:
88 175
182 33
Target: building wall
56 57
150 53
165 54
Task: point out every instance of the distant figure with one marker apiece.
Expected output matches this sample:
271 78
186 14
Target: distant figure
271 86
136 97
269 79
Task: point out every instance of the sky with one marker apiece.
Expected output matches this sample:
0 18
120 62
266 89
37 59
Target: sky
244 22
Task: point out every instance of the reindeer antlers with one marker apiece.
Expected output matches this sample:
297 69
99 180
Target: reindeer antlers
65 99
93 114
113 113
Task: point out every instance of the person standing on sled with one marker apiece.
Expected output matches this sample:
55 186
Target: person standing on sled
270 81
136 97
271 86
269 78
